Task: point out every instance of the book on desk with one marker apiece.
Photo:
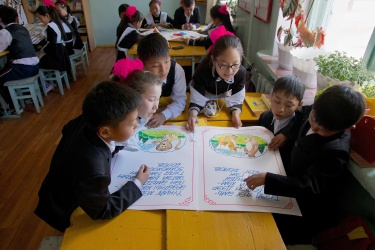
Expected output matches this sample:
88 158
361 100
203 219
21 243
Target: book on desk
256 104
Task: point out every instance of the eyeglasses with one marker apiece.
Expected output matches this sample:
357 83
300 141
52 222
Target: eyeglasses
226 67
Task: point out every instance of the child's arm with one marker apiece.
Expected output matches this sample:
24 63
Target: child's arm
197 15
179 18
5 39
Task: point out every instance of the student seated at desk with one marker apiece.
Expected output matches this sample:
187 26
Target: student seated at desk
65 13
219 76
153 51
286 100
156 17
130 24
23 62
317 164
220 18
80 174
121 12
187 17
148 85
54 55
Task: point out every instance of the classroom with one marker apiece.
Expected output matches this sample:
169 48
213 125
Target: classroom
244 124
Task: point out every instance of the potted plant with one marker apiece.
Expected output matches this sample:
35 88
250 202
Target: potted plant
233 9
297 35
339 68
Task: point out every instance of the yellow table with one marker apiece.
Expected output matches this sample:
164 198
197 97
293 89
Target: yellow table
187 56
175 229
246 115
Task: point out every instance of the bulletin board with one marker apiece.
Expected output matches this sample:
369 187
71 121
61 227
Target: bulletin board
263 10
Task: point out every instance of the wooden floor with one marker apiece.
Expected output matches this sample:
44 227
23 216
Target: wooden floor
26 148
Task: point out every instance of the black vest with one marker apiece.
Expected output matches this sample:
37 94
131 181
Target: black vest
168 86
21 46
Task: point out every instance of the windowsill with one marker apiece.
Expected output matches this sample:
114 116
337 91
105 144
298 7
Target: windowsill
269 66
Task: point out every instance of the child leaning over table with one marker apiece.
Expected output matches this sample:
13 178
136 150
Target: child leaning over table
219 76
286 99
317 163
79 174
148 85
187 17
153 51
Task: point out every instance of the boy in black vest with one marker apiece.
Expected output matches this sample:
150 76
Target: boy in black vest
22 60
187 17
153 51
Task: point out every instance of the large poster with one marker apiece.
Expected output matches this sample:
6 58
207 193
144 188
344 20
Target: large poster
204 170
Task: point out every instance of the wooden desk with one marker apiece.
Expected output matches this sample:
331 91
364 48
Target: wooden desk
187 56
246 115
174 229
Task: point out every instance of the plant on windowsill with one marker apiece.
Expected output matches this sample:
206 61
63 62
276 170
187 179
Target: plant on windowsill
233 9
339 68
297 35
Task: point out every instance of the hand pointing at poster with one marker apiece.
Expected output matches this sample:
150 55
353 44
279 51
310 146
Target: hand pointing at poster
255 180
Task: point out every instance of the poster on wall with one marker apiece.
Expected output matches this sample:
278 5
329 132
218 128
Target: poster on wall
263 10
242 4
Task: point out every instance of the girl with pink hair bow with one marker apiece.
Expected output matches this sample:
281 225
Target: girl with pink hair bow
156 17
149 86
220 18
129 26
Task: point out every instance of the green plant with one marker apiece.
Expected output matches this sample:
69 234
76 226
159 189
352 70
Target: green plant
369 89
292 10
233 7
339 65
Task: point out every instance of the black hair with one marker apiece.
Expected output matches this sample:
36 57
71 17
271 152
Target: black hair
221 44
155 1
339 107
55 16
138 16
152 46
8 15
109 103
187 3
66 18
290 85
215 13
122 8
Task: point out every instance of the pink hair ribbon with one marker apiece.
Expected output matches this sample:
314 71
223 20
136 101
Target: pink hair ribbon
48 3
224 9
122 68
217 33
159 2
130 11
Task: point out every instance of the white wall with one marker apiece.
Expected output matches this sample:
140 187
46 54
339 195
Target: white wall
105 16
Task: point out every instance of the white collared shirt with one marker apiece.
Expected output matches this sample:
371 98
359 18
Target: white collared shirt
188 17
111 145
280 124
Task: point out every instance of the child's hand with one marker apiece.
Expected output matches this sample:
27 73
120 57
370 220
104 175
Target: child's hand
255 180
277 142
156 120
39 54
236 118
143 174
192 120
185 40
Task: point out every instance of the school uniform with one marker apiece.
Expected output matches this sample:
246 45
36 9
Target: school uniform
56 56
127 39
180 18
289 127
207 85
22 60
162 18
314 175
79 176
78 43
175 87
69 42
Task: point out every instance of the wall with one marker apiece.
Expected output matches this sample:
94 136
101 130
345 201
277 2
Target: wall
105 16
256 35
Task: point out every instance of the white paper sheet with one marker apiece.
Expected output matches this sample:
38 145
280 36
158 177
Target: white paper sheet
203 175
